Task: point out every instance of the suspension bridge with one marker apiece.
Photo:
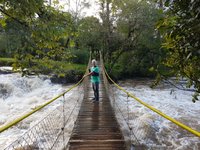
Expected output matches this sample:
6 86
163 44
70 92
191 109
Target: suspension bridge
97 126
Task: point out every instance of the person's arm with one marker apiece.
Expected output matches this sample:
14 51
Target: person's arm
93 73
87 74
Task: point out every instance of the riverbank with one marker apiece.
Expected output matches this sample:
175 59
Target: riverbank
59 72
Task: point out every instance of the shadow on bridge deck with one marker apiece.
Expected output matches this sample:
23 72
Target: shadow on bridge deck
96 127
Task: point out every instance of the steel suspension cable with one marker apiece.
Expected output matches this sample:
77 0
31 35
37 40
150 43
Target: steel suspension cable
128 124
154 109
16 121
118 107
12 123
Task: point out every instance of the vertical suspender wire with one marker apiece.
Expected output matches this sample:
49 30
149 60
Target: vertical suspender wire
114 103
129 125
67 120
63 128
128 119
116 106
131 134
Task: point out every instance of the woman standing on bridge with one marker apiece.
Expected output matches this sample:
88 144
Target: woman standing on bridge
95 79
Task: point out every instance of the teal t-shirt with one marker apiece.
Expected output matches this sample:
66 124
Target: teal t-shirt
94 78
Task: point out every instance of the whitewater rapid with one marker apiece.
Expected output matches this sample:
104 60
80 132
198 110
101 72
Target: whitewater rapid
19 95
149 128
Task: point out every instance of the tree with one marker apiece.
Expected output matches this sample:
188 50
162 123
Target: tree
40 27
107 27
181 33
128 27
89 35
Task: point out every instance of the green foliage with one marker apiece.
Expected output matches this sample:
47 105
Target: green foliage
181 32
3 45
79 56
56 67
6 61
117 72
134 43
61 71
134 64
43 39
49 67
89 35
34 31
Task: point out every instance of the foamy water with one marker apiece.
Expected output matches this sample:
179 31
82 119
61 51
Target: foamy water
19 95
153 130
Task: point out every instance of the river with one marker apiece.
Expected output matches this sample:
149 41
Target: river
148 127
19 95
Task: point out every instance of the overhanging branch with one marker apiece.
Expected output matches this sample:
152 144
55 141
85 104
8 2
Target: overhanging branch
2 10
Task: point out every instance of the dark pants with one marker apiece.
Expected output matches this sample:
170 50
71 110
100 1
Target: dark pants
95 87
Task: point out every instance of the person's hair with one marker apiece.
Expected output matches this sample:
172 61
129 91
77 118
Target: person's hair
94 62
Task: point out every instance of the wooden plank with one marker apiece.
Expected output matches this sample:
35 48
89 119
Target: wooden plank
96 127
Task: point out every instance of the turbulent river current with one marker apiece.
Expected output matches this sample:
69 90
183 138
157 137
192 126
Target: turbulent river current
152 130
19 95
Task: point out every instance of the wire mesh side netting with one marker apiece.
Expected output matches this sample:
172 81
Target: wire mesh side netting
141 129
53 131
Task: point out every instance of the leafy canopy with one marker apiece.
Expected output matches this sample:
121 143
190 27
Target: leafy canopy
181 30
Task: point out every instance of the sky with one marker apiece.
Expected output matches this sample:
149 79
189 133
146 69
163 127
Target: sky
91 11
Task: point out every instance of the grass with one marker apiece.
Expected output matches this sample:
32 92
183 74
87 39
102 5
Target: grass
6 61
58 66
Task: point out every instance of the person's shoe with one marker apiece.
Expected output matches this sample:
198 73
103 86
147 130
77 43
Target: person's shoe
95 101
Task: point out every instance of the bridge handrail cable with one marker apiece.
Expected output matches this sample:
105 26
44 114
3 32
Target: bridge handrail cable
16 121
152 108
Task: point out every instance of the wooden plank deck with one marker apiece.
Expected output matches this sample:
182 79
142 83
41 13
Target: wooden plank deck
96 127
